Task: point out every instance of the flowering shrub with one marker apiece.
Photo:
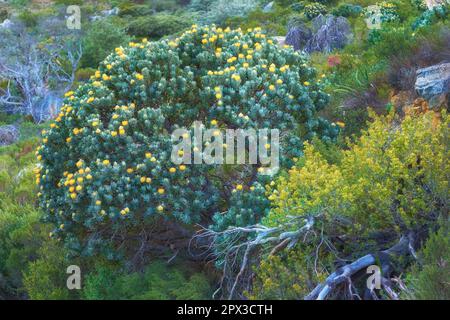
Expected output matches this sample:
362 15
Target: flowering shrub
387 12
393 179
314 9
391 165
105 166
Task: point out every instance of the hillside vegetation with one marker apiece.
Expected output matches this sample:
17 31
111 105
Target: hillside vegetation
86 176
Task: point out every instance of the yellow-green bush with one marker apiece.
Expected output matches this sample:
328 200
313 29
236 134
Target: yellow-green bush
395 170
391 181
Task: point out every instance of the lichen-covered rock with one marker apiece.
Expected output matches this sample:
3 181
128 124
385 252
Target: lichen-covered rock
433 83
330 33
8 135
298 36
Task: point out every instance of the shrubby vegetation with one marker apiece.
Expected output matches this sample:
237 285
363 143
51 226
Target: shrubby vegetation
104 194
221 77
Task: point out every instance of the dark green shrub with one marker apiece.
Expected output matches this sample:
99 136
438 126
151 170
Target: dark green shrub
158 25
129 9
347 10
429 281
157 282
69 2
101 38
45 278
84 74
29 18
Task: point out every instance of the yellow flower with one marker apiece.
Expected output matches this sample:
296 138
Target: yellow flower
89 177
125 123
214 122
218 96
279 81
79 163
148 155
306 83
98 202
182 167
271 87
340 124
139 76
239 187
148 180
172 170
130 170
113 133
109 67
79 188
73 195
161 190
95 123
160 208
105 162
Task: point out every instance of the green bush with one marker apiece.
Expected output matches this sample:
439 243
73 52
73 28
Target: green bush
347 10
105 164
101 38
29 18
45 278
314 9
157 282
128 9
220 10
158 25
429 280
273 22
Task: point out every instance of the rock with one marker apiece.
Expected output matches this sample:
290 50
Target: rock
6 24
8 135
329 33
113 12
433 83
280 40
105 13
434 3
268 7
298 36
